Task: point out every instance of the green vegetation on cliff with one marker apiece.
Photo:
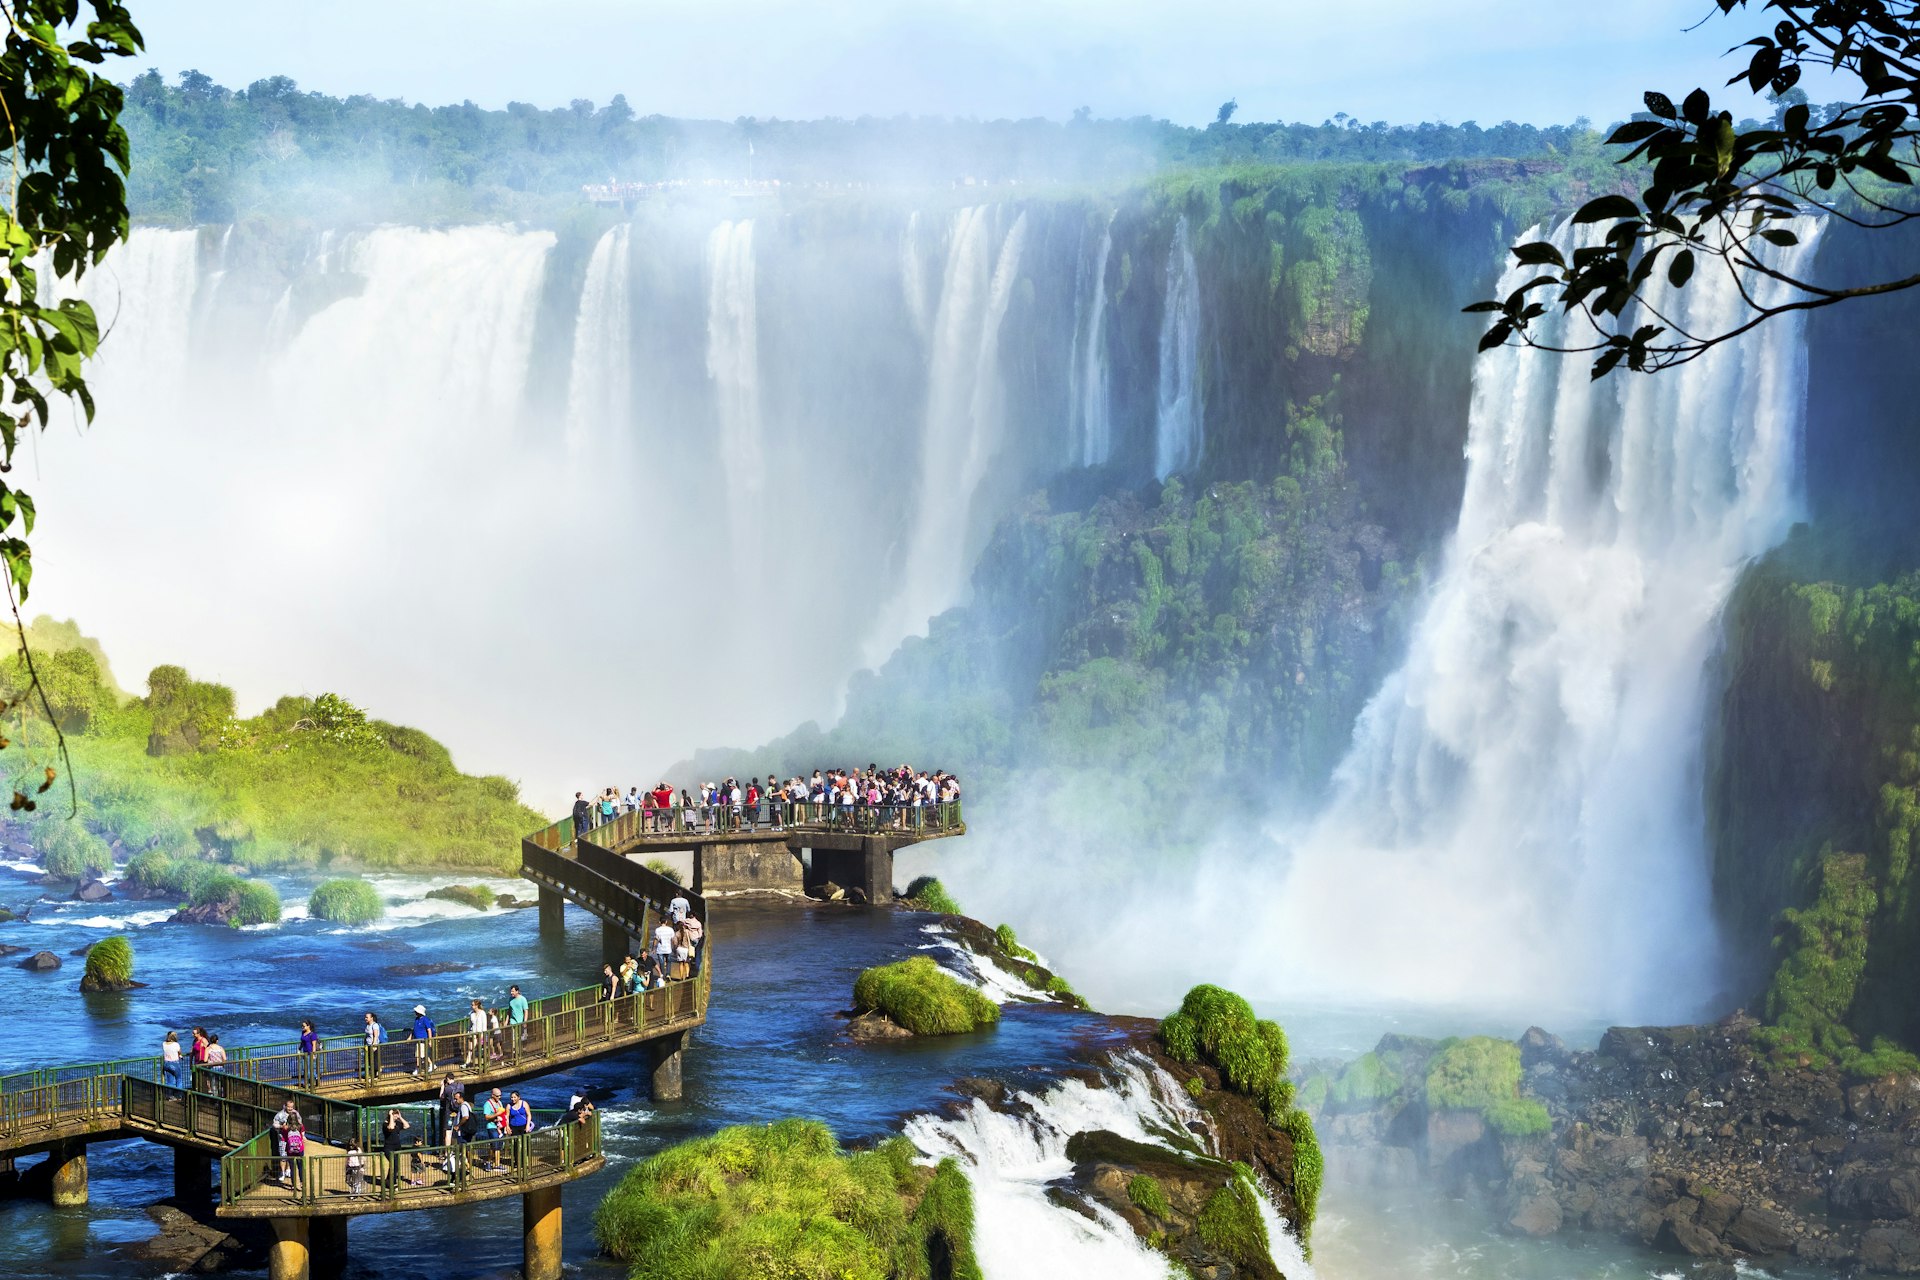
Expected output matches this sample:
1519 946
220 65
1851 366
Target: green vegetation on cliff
927 894
1218 1027
345 902
924 998
784 1200
1480 1073
309 780
1814 796
1230 1223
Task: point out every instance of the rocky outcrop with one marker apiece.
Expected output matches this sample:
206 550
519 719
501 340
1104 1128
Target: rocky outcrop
184 1245
1686 1139
94 983
221 912
92 890
41 962
875 1026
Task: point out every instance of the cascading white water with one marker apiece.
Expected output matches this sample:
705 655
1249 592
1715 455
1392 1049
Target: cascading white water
1011 1155
143 349
1176 437
733 362
1518 823
1090 407
600 383
913 276
965 417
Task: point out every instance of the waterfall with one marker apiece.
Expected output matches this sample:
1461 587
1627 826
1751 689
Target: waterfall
965 414
1518 823
600 382
1176 436
913 275
143 296
1012 1153
733 363
1090 403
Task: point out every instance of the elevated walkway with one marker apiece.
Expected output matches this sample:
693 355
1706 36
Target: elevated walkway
345 1088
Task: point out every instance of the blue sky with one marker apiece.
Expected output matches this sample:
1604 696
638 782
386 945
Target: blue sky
1398 60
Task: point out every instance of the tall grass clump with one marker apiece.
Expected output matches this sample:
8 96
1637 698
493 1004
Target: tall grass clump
924 998
661 867
346 902
928 894
68 851
1216 1026
784 1200
110 961
1480 1073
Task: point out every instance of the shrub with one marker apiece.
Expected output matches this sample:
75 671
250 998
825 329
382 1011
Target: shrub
1252 1054
69 851
928 894
477 896
784 1200
1309 1168
1196 1087
1473 1074
1518 1117
207 884
1368 1078
346 902
110 961
258 903
1148 1195
924 998
1010 944
661 867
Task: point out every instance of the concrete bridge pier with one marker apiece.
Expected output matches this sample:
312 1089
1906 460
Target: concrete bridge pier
866 865
192 1178
67 1162
540 1222
290 1256
553 913
664 1053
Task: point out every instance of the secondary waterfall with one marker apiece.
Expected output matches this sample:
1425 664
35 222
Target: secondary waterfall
733 362
1176 442
600 385
965 415
1518 822
1091 408
1012 1153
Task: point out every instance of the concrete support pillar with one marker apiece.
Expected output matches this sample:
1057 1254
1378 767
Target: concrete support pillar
289 1257
327 1238
876 869
68 1164
665 1055
540 1220
553 913
192 1178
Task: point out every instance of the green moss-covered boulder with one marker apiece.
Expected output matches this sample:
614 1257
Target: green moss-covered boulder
109 966
784 1200
927 894
345 902
477 896
923 998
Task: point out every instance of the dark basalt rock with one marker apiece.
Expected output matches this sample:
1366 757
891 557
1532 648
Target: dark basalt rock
875 1026
395 945
207 913
7 949
41 962
425 970
93 985
91 890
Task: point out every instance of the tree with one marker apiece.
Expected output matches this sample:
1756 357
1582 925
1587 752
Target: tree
1727 196
66 205
1226 111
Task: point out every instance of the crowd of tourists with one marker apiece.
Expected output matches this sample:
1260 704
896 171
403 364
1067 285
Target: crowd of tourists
671 954
856 797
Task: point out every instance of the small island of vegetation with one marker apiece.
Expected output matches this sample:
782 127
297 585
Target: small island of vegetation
925 999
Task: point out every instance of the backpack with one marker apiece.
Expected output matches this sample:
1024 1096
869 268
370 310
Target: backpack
296 1142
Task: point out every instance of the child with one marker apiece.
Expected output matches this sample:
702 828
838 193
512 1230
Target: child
356 1169
296 1154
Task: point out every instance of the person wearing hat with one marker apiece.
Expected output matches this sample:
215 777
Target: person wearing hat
423 1040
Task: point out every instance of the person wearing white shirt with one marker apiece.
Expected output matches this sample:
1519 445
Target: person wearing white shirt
663 947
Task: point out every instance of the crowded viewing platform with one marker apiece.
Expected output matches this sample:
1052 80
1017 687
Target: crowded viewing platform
870 799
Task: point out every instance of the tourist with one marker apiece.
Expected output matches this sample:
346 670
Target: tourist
476 1035
197 1055
607 804
609 982
627 971
297 1154
393 1136
578 1109
663 806
582 813
170 1070
663 947
449 1095
678 907
496 1037
356 1169
310 1053
682 952
650 976
423 1041
494 1113
215 1058
696 934
277 1130
519 1115
632 803
688 819
459 1133
517 1016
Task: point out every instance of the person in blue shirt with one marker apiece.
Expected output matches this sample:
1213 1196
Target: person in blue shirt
423 1038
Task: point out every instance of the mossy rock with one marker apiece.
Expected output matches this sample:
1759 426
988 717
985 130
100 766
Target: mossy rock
477 896
109 966
924 998
346 901
927 894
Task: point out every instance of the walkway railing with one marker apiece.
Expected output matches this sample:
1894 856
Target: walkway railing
769 815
